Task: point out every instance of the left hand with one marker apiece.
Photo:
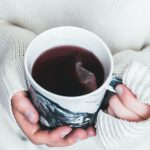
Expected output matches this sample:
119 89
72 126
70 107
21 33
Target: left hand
27 118
126 106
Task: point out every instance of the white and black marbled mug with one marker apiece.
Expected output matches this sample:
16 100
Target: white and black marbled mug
56 110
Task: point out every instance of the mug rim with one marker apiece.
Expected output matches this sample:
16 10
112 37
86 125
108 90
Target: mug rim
41 90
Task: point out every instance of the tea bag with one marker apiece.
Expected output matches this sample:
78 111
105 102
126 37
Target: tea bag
84 77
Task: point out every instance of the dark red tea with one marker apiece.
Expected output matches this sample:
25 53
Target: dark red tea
68 71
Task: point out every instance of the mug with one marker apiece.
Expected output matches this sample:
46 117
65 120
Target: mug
56 110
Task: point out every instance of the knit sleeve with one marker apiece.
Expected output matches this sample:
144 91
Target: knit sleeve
13 43
134 69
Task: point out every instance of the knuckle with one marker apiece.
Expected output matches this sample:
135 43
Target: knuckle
53 139
34 141
14 102
56 140
126 92
49 145
70 142
16 105
121 116
124 117
112 100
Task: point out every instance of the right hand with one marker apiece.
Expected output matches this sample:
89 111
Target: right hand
27 117
126 106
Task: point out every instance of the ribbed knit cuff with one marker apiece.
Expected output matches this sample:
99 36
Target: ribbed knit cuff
13 43
12 81
137 78
115 133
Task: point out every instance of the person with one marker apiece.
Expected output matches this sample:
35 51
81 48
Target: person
125 28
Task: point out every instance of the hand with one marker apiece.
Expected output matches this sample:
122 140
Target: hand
125 105
27 117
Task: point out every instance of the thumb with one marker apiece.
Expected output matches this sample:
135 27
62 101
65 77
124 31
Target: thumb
23 105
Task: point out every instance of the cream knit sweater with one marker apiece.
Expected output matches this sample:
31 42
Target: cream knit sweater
124 25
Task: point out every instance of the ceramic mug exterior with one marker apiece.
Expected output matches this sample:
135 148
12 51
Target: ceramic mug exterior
56 110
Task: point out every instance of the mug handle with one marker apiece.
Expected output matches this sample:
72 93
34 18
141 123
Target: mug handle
110 90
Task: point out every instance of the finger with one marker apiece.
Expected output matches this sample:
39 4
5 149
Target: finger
131 102
23 105
121 111
76 135
110 111
39 136
54 137
91 131
28 128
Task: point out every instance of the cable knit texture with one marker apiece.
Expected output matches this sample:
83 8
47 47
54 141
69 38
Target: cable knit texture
124 26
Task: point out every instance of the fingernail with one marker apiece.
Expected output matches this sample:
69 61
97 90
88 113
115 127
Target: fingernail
30 116
119 90
64 133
